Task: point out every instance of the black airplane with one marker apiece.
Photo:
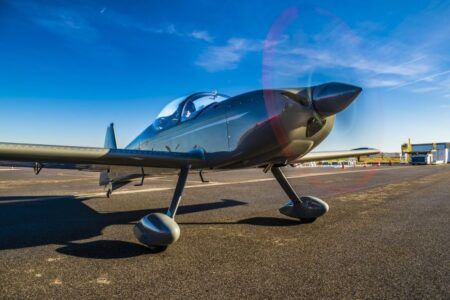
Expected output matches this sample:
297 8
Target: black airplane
266 129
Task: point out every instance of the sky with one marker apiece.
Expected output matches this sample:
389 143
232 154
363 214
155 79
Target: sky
69 68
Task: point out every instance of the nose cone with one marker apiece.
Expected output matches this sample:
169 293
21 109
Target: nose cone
331 98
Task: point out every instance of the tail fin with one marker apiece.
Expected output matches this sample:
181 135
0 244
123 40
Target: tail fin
110 143
110 138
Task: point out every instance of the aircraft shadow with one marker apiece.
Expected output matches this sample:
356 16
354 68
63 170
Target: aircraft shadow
104 249
113 249
29 221
257 221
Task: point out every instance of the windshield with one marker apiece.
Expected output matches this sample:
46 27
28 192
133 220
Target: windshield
169 115
170 108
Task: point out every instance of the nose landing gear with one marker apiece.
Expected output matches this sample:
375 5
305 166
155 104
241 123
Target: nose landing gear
306 208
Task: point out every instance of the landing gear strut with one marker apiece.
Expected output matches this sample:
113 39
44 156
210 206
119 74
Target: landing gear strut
202 178
37 168
158 230
109 190
142 178
305 208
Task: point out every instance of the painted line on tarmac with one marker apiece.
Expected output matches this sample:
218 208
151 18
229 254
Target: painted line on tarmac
33 198
212 184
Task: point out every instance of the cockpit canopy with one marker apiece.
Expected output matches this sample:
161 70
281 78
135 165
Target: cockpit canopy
185 108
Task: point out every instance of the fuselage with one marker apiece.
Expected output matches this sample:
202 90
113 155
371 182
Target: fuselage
248 130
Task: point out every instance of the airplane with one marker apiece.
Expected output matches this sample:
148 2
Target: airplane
267 129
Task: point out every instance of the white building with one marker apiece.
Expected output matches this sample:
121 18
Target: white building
432 153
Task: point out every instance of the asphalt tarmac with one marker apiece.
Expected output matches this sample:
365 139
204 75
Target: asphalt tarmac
387 235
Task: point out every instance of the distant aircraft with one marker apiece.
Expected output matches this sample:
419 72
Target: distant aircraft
266 129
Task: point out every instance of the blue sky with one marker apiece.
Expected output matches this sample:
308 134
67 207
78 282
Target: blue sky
69 69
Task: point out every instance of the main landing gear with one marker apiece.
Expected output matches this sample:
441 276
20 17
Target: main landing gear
305 208
157 230
202 178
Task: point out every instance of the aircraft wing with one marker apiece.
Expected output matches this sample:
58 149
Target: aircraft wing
326 155
71 157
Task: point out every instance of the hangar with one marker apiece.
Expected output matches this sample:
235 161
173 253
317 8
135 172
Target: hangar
426 154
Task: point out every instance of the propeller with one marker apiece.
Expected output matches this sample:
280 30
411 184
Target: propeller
331 98
326 100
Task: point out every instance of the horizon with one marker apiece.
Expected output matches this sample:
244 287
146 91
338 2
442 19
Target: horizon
69 70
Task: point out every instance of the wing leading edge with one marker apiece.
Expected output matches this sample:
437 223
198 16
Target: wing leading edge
325 155
71 155
97 156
